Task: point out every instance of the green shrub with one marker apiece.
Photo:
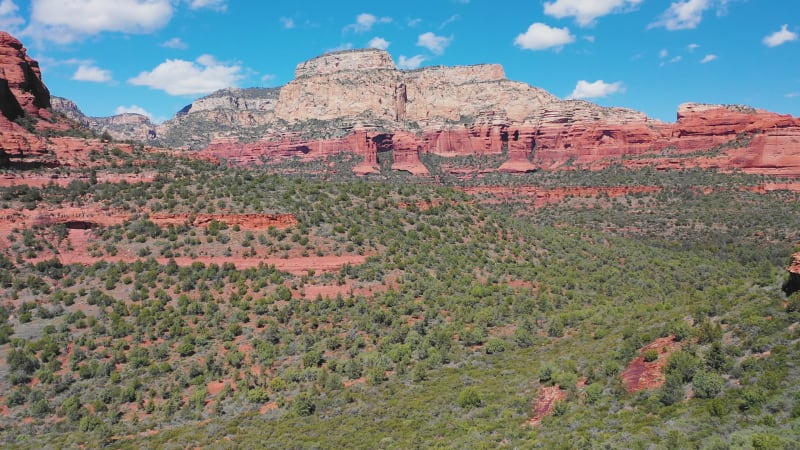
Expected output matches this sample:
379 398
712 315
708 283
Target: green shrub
650 355
495 345
257 395
469 398
707 384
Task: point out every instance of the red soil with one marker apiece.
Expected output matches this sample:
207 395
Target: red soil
540 196
268 407
544 404
251 222
10 218
215 387
9 179
641 375
295 265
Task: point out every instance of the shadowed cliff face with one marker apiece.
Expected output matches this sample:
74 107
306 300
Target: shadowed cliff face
792 283
21 90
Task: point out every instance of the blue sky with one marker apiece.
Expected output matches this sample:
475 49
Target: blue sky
156 56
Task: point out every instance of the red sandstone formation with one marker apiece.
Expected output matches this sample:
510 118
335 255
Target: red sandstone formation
21 87
641 375
709 136
475 110
794 267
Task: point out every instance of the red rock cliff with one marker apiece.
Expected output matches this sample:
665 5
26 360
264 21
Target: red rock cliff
21 87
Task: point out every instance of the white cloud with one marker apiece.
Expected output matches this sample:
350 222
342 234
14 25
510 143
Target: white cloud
65 21
676 59
217 5
379 43
414 22
365 22
178 77
450 20
780 37
133 109
288 23
663 53
341 47
268 80
586 12
685 15
436 44
8 7
540 36
792 95
693 47
176 43
597 89
410 63
9 19
94 74
708 58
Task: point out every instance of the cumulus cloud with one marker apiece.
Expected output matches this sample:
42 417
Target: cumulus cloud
780 37
693 47
687 14
8 7
597 89
586 12
436 44
9 19
68 21
365 22
708 58
217 5
379 43
178 77
133 109
176 43
410 63
94 74
541 36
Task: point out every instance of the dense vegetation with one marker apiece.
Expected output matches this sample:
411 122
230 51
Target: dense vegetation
443 338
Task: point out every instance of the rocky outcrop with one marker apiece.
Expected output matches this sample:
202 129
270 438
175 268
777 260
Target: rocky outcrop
121 127
792 283
357 101
475 110
21 88
228 115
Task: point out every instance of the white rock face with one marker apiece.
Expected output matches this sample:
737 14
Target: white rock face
122 127
348 60
337 92
364 85
236 99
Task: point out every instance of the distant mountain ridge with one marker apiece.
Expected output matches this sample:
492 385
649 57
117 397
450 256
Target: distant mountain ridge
358 101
